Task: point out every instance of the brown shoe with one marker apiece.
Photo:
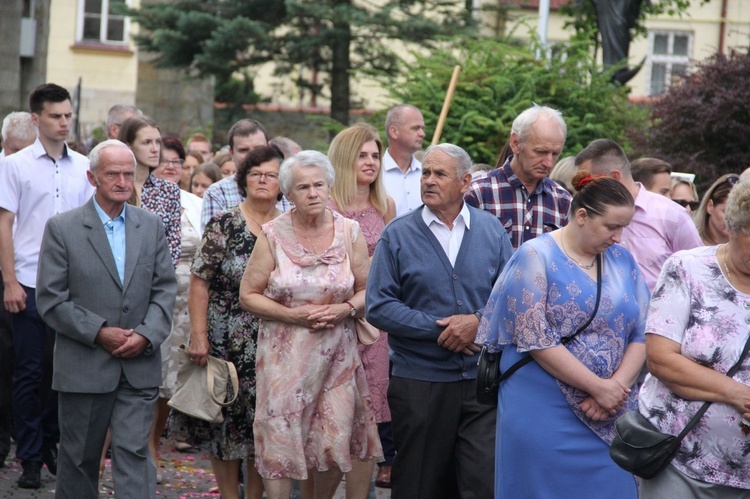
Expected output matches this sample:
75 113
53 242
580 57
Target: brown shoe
383 480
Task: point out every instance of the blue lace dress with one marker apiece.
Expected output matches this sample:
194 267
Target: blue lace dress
545 445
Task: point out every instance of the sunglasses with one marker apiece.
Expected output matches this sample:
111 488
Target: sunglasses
685 203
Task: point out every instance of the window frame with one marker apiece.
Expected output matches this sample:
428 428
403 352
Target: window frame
669 59
103 24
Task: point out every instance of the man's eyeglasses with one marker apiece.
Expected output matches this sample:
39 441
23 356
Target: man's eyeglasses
172 162
271 177
693 205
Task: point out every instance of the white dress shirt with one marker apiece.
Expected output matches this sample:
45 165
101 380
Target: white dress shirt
449 239
35 187
404 188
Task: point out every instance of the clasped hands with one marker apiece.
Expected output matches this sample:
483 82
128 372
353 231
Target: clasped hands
122 343
459 333
319 317
609 398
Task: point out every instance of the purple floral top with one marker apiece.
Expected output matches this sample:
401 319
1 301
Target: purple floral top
694 305
542 296
162 198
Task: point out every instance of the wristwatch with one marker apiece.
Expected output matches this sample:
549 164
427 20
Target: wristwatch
353 311
478 315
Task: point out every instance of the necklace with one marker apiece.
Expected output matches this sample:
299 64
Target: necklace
726 267
585 267
309 242
248 215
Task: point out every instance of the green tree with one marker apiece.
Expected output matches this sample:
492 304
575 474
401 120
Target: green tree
702 124
338 37
499 80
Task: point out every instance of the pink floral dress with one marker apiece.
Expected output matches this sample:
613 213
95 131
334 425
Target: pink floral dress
313 407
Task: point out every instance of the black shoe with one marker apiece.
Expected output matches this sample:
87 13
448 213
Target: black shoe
49 458
32 475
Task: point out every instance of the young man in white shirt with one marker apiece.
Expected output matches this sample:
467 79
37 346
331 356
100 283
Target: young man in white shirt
36 183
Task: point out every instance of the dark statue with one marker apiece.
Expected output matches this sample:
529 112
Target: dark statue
615 19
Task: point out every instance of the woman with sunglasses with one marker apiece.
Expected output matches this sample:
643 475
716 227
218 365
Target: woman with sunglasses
684 193
709 219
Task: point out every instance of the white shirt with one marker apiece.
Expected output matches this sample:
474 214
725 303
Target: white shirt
450 240
405 189
35 187
192 204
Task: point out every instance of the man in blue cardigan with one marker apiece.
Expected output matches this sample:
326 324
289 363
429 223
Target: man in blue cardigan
430 278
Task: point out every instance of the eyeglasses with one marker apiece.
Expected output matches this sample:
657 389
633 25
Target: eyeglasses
271 177
733 180
172 162
685 203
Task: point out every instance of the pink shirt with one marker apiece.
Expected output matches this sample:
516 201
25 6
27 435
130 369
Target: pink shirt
660 227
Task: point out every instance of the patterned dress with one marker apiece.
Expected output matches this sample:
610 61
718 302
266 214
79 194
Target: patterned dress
221 260
180 319
545 445
314 409
695 306
374 357
162 197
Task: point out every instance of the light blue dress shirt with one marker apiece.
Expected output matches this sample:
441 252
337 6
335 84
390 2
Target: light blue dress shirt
115 230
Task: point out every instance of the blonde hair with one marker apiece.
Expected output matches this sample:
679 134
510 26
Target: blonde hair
344 154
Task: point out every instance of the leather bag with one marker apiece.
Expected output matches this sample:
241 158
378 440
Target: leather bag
367 334
202 391
638 447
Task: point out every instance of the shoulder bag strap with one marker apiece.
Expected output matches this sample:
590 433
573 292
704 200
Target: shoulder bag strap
214 364
698 415
518 365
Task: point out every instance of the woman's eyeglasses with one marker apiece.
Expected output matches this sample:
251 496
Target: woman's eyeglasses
693 205
271 177
172 162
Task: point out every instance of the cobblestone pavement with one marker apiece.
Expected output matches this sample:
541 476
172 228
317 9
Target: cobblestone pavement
184 476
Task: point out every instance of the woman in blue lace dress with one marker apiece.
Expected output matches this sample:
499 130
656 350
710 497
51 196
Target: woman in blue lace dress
556 414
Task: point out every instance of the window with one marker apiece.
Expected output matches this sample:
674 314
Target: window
668 60
100 21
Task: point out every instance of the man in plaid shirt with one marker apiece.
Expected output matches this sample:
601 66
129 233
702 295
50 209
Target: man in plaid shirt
519 193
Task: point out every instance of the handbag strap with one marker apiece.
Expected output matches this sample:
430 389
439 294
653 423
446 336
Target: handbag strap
232 378
698 415
568 339
518 365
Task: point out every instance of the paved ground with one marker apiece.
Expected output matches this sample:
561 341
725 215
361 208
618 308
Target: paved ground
184 476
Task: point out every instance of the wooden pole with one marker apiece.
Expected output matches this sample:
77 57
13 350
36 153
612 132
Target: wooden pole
446 105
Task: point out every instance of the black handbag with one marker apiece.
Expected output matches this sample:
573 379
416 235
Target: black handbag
488 365
641 449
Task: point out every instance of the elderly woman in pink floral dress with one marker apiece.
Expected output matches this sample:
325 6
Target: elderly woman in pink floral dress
313 411
697 327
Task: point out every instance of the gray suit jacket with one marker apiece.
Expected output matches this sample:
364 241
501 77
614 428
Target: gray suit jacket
78 291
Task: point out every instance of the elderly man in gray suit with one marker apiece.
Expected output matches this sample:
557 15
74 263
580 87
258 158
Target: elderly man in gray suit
106 284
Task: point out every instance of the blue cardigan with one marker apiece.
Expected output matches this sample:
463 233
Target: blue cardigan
412 284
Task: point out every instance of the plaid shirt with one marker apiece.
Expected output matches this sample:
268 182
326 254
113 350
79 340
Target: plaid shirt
525 216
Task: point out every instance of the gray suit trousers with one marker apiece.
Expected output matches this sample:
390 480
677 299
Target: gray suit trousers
84 420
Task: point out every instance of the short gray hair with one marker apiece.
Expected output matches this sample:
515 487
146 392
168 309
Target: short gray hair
524 121
96 153
737 210
120 112
19 125
304 159
464 163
